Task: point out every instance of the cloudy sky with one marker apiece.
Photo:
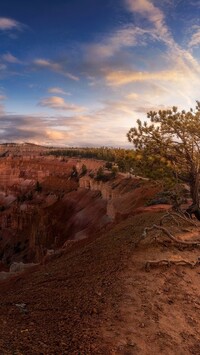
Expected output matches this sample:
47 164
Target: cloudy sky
80 72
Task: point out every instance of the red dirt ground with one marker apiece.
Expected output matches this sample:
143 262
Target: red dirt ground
98 299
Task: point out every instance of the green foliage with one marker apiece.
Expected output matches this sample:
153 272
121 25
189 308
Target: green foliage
108 165
114 171
124 158
100 173
170 144
84 169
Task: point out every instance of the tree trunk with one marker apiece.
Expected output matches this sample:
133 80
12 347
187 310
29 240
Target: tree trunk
194 189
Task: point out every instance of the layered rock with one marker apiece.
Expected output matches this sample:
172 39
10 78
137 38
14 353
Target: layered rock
66 209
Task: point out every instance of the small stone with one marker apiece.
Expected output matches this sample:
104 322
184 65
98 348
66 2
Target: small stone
22 307
98 294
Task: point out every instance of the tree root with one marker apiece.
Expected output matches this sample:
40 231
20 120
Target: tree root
180 215
168 234
168 263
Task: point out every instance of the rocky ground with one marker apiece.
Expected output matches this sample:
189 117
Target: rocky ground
98 298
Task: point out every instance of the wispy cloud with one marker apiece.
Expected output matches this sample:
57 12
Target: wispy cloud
147 9
195 39
53 66
127 36
2 107
55 129
59 91
9 58
118 78
58 103
9 24
3 66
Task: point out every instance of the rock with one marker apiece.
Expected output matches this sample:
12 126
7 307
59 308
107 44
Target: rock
22 307
16 267
5 275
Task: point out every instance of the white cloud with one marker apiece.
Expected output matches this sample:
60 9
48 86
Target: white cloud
128 36
60 130
2 110
59 91
148 10
132 96
58 103
3 66
56 67
9 24
195 39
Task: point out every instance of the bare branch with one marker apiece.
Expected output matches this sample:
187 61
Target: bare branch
168 262
168 234
172 215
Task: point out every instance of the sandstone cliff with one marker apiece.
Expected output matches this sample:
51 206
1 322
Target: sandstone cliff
66 208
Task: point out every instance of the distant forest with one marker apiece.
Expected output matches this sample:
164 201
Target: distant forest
125 159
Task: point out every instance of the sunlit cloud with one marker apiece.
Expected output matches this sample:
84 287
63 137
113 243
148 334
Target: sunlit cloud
55 135
139 64
127 36
58 91
9 58
53 66
58 103
195 39
147 9
60 129
9 24
118 78
132 96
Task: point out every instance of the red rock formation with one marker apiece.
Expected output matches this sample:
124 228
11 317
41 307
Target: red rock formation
66 208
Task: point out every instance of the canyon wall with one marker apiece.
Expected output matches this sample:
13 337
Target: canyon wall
43 205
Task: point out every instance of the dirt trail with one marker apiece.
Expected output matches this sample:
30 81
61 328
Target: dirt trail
98 299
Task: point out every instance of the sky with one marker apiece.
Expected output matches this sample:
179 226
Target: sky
81 72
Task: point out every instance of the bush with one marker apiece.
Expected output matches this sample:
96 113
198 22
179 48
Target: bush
84 169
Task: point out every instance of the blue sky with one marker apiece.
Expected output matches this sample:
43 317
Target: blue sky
81 72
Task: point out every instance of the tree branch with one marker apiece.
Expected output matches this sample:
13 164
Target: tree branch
168 234
168 262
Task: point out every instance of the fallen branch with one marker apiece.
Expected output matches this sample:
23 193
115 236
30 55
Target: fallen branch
178 215
167 262
168 234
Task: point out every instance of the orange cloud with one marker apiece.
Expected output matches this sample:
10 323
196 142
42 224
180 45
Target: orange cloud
117 78
58 103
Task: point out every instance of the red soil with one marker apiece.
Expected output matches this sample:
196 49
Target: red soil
98 299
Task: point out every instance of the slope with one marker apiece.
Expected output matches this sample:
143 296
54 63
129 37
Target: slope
97 298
